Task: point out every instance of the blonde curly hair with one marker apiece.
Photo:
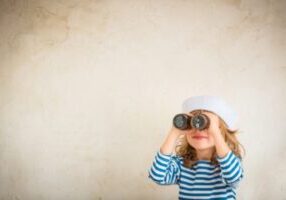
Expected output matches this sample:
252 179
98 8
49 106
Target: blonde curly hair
188 153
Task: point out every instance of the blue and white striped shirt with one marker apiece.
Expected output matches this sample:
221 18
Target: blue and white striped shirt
203 180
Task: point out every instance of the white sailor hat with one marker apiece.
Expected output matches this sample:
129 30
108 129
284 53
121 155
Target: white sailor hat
214 104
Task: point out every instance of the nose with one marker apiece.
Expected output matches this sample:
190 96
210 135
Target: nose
197 131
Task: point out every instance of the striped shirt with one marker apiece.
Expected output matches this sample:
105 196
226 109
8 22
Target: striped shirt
203 180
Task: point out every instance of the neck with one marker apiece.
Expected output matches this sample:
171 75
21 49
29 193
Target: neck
205 154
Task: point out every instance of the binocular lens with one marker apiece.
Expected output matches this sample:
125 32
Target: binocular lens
199 122
183 121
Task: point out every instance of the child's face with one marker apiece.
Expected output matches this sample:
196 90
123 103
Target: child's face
200 140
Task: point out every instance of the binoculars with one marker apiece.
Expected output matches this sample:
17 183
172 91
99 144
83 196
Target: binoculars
199 121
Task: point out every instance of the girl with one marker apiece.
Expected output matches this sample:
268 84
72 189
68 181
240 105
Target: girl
207 163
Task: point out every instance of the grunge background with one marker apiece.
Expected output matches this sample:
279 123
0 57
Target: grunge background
88 89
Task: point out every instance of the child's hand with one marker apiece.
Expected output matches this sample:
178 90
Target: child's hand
169 144
177 132
214 128
221 146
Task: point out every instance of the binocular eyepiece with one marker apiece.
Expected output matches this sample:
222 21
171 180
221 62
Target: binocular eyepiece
184 121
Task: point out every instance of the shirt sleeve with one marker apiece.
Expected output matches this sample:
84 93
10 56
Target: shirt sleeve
231 169
165 169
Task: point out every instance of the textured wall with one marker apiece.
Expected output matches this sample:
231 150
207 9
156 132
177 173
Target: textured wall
88 90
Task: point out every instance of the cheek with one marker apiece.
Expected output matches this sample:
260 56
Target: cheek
211 141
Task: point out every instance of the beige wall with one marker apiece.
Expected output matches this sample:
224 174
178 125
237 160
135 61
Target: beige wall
88 90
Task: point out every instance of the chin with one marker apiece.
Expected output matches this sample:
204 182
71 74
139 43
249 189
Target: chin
202 146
